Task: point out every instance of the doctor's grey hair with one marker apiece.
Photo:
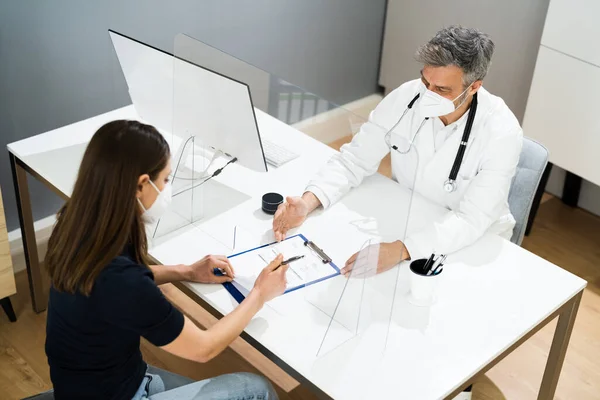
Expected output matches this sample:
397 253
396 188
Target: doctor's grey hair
467 48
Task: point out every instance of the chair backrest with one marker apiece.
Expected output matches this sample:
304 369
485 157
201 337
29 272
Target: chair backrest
532 162
49 395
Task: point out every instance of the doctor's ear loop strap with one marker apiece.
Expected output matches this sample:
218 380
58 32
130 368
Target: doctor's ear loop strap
465 138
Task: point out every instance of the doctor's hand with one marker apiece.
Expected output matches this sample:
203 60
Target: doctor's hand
389 255
293 213
203 271
271 282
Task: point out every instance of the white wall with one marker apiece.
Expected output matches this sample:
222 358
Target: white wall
562 109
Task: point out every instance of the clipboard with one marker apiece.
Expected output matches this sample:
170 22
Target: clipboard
319 260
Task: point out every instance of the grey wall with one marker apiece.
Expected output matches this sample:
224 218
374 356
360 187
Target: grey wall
57 65
515 26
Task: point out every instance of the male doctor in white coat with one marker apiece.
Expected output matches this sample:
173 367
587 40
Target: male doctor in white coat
455 62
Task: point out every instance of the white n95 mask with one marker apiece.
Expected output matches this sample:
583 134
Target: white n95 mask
434 105
160 205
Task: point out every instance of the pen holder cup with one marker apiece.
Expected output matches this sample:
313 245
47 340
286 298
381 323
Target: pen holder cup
422 286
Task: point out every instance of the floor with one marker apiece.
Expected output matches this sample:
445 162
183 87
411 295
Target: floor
565 236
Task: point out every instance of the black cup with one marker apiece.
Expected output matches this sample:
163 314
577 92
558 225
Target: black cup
270 202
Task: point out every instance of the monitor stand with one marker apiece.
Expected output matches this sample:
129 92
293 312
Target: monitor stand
192 161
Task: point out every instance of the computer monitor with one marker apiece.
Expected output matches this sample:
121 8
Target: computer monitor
187 100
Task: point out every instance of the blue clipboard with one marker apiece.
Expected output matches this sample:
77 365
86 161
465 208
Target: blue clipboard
239 297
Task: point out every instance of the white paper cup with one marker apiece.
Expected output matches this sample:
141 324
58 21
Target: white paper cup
422 287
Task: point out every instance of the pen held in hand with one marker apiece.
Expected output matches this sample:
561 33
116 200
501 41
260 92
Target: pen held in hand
219 272
291 260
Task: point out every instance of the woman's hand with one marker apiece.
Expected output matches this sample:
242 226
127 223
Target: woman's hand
203 271
271 282
389 254
201 346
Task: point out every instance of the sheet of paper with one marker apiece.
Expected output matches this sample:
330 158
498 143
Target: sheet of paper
309 269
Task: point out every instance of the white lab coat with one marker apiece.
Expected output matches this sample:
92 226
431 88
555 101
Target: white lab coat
480 202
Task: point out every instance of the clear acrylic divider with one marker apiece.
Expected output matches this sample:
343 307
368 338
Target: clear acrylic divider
342 315
191 160
360 305
271 94
210 89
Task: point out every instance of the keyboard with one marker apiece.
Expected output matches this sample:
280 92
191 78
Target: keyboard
277 155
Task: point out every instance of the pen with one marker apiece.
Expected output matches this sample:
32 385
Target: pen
219 272
234 235
438 262
428 263
291 260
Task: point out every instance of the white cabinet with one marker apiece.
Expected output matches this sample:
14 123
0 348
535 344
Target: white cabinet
563 112
572 28
563 108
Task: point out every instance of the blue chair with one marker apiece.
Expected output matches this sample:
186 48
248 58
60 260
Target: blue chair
49 395
524 192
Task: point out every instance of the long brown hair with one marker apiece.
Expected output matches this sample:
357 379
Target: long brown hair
102 216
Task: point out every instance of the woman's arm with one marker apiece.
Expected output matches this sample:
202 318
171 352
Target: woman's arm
170 273
200 345
201 271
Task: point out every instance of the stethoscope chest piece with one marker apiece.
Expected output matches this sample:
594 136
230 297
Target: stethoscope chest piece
449 186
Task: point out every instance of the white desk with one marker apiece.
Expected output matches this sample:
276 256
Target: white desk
493 296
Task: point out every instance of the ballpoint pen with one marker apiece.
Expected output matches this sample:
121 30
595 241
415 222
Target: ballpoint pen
428 263
219 272
291 260
438 262
234 235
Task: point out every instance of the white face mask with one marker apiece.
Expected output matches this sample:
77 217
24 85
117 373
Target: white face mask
160 205
435 105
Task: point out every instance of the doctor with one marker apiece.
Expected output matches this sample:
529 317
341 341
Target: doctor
468 144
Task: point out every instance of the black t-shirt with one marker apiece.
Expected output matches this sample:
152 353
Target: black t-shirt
93 343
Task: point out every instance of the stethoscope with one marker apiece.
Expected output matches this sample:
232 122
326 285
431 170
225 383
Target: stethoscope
450 183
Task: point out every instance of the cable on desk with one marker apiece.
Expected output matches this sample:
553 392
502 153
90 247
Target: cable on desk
216 173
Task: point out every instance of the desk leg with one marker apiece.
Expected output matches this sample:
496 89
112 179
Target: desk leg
39 298
562 334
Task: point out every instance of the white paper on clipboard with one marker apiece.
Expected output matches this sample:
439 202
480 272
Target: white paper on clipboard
310 269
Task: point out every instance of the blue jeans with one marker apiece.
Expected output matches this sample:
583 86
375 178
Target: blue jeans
163 385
